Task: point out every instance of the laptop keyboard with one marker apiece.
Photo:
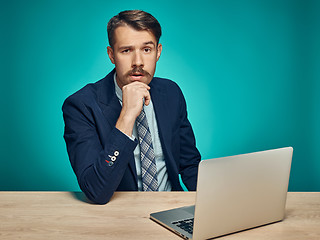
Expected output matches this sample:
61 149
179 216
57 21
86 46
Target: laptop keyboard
186 225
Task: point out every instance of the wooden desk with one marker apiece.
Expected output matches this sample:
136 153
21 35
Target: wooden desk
65 215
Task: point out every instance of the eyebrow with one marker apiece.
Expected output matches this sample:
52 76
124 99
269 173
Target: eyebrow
150 42
125 47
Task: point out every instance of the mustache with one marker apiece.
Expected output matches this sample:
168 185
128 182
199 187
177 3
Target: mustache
137 70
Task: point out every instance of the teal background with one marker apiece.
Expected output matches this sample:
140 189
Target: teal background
249 71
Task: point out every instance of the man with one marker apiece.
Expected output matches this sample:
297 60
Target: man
105 120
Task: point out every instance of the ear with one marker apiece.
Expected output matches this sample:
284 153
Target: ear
159 50
110 54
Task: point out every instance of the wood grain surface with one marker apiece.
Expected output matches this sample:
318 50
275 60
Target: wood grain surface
67 215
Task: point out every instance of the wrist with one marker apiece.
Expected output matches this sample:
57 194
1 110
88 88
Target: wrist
125 123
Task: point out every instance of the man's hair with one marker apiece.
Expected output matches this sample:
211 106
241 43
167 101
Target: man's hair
138 20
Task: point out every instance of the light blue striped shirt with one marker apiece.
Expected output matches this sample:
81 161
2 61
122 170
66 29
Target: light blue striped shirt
163 181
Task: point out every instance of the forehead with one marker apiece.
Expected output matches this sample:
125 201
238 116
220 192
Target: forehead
128 36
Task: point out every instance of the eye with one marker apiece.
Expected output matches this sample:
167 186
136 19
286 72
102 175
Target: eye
147 50
125 51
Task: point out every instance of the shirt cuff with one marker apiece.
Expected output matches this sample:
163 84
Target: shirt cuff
131 137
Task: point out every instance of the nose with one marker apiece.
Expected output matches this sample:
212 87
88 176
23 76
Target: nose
137 60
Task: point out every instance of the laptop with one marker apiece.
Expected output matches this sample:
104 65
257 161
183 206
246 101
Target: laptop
233 194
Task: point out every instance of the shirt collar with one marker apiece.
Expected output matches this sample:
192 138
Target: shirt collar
117 88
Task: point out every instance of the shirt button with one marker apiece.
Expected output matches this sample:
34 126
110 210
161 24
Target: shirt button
116 153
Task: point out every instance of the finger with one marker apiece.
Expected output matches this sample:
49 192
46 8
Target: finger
147 99
140 84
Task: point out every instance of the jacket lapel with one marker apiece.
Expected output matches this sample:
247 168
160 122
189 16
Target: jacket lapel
160 104
106 95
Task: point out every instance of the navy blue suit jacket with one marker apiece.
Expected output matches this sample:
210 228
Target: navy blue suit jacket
91 137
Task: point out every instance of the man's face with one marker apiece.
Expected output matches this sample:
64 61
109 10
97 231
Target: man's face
135 54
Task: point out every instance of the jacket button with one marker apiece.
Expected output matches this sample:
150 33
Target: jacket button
112 158
116 153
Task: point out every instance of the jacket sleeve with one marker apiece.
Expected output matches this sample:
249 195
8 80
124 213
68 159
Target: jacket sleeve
189 154
99 167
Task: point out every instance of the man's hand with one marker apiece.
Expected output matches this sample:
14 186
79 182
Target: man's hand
133 97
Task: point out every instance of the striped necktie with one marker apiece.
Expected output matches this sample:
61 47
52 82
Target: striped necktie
148 162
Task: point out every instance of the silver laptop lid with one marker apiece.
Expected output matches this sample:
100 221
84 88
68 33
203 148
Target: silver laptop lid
240 192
